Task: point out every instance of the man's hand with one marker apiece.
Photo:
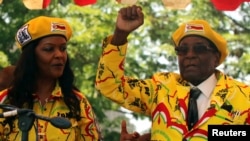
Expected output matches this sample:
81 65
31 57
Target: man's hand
129 19
125 136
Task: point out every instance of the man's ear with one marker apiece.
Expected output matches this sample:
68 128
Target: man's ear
217 59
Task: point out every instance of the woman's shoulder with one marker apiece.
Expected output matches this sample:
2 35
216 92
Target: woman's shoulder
79 94
3 95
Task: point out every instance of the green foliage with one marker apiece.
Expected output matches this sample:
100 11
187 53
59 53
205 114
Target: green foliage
3 60
150 46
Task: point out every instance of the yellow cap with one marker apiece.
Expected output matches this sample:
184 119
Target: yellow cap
40 27
201 28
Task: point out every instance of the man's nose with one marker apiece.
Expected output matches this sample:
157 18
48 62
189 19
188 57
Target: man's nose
190 52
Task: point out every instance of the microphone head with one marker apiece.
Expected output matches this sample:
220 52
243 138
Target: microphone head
60 122
8 107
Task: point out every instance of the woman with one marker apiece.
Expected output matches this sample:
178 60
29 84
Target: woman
43 82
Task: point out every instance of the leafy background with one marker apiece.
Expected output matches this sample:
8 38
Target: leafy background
150 47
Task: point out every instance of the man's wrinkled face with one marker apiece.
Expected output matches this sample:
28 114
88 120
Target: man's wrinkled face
197 59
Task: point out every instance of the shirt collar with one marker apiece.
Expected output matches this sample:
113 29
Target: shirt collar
57 92
208 85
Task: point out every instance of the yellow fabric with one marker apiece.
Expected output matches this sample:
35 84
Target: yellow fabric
164 98
33 4
40 27
201 28
128 2
84 130
176 4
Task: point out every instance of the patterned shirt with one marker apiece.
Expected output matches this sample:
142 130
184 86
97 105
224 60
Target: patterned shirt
164 97
84 130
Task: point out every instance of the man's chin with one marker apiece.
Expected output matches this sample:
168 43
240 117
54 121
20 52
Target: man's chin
191 77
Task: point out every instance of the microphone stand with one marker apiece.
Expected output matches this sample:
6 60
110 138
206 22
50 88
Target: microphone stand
26 118
25 122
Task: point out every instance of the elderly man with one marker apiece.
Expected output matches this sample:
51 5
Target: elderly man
169 98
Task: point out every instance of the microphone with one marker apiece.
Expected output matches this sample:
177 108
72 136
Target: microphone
26 118
7 107
58 122
8 114
13 113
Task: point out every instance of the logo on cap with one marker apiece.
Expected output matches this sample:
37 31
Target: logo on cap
194 28
23 35
58 27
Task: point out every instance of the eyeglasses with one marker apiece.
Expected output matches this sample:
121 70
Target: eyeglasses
197 49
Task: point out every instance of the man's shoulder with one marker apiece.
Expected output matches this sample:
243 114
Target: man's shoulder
174 77
236 82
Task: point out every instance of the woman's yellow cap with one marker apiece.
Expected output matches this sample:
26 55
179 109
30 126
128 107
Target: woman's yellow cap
40 27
